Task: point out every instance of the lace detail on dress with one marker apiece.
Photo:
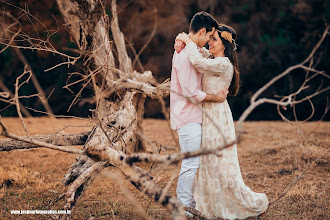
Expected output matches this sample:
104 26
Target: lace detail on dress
216 67
205 52
220 190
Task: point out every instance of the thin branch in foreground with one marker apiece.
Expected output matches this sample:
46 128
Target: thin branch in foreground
115 176
173 158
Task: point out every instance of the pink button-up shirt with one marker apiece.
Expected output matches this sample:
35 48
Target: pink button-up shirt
186 81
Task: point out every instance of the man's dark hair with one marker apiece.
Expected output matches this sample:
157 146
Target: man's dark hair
202 20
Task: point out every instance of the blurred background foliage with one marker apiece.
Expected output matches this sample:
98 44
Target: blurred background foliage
272 35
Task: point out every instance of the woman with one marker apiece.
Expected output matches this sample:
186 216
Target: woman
220 190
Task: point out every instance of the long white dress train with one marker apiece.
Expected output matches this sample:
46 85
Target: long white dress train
220 190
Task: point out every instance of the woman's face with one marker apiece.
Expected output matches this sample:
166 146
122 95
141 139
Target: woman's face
205 37
216 46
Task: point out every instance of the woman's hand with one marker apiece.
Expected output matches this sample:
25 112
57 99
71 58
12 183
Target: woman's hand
181 41
179 45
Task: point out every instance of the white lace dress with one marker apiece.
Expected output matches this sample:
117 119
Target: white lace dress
220 190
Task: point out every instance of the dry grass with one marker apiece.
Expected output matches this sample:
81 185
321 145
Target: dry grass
271 155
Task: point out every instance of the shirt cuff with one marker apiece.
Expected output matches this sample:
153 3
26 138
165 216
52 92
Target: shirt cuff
200 96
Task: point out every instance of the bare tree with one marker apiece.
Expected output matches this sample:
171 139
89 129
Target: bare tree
119 96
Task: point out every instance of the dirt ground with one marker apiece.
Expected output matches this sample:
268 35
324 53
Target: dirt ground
271 156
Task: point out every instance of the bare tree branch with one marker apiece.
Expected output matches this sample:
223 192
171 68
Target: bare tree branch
11 95
288 98
148 41
17 87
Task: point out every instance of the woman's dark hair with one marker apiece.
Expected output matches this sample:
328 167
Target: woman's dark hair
202 20
230 52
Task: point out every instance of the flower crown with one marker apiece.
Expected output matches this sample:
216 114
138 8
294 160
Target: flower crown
229 37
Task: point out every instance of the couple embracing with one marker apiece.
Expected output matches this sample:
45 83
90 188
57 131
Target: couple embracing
206 77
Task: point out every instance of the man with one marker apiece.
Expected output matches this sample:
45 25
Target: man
186 97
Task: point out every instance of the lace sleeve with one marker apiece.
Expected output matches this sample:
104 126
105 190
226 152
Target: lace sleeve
216 66
205 52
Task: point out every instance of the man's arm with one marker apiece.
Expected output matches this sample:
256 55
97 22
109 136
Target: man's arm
220 97
188 80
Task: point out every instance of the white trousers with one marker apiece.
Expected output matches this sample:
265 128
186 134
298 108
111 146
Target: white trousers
190 137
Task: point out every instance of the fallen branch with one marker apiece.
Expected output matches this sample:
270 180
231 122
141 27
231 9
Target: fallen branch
35 142
56 139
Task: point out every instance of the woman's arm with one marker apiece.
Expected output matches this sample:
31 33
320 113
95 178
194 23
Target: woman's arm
205 52
202 64
207 66
179 45
182 39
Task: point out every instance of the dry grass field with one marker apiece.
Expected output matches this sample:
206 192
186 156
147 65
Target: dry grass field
271 156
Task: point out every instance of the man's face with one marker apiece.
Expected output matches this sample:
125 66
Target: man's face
205 36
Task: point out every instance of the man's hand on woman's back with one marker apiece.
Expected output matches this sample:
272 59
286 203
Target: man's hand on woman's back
220 97
222 94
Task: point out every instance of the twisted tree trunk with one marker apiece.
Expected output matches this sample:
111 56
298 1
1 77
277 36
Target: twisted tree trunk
115 134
